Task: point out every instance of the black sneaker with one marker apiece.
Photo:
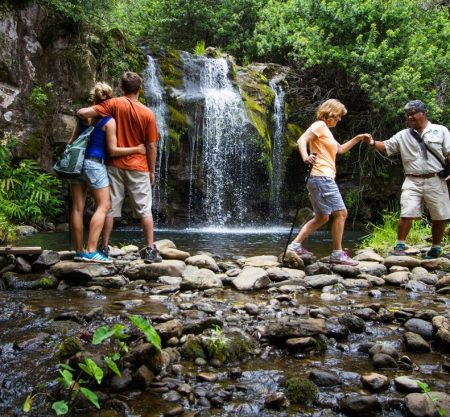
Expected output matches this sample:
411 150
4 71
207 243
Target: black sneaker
151 255
104 249
434 253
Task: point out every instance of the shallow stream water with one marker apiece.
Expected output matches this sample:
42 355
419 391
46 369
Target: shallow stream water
29 324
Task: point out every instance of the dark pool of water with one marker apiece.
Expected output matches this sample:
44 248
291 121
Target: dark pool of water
226 242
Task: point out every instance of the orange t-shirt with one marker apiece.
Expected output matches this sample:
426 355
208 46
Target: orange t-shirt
325 146
136 124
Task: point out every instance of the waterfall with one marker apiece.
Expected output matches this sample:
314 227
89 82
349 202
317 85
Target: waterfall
276 182
226 152
155 99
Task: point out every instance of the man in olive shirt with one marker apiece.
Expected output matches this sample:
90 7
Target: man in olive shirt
422 184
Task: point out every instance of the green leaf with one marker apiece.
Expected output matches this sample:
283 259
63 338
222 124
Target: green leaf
101 334
149 331
91 368
28 403
67 367
112 365
118 332
61 408
91 396
115 356
67 378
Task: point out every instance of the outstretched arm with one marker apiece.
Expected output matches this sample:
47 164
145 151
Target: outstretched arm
111 142
345 147
378 145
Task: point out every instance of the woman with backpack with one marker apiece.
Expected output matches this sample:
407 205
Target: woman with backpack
94 176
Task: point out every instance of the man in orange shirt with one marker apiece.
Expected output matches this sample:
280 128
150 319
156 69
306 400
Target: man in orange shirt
134 173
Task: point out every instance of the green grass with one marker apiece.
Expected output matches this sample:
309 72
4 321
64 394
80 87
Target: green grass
383 236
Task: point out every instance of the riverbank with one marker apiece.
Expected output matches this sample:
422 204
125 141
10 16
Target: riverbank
236 334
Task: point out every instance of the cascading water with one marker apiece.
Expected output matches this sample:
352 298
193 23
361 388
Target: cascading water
155 99
226 150
276 182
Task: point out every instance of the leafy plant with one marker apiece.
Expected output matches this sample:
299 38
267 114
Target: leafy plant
199 48
217 341
426 390
27 194
383 236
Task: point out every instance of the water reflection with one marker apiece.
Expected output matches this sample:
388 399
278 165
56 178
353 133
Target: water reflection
226 242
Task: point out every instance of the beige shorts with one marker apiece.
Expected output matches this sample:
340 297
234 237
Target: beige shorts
137 183
431 191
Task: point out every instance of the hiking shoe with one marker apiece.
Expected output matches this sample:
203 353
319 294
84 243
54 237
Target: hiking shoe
299 249
151 255
105 250
433 253
343 259
96 256
78 256
399 250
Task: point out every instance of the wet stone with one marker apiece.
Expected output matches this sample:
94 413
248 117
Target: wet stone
416 286
276 400
318 268
22 265
207 377
354 323
176 410
46 259
121 383
383 361
324 379
386 349
130 303
406 384
203 261
374 382
415 343
360 405
419 326
397 278
406 261
320 281
346 271
426 405
301 343
251 278
251 309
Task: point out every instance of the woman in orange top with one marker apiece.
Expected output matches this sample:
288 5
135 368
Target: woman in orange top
323 191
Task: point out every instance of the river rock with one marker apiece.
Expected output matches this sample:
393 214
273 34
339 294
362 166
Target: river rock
292 260
293 328
168 329
81 270
320 281
301 343
121 383
427 405
115 252
398 268
143 377
366 314
336 330
324 378
115 281
372 268
199 279
346 271
415 342
370 256
203 261
374 382
383 348
425 277
356 283
25 230
442 326
128 249
407 384
46 259
419 326
416 286
374 280
406 261
276 400
295 273
397 278
251 278
360 405
277 274
262 261
164 244
251 309
318 268
438 263
383 361
150 272
176 254
443 282
26 281
354 323
22 265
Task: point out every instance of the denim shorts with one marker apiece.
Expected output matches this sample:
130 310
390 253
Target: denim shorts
324 195
94 174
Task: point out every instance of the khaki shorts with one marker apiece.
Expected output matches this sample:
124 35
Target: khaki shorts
431 191
137 183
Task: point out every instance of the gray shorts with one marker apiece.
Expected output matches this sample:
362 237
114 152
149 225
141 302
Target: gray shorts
324 195
137 184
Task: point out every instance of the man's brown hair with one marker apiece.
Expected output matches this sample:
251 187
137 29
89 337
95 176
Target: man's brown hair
130 82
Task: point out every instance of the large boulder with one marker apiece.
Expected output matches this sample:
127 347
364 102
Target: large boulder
199 279
427 405
82 270
251 279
